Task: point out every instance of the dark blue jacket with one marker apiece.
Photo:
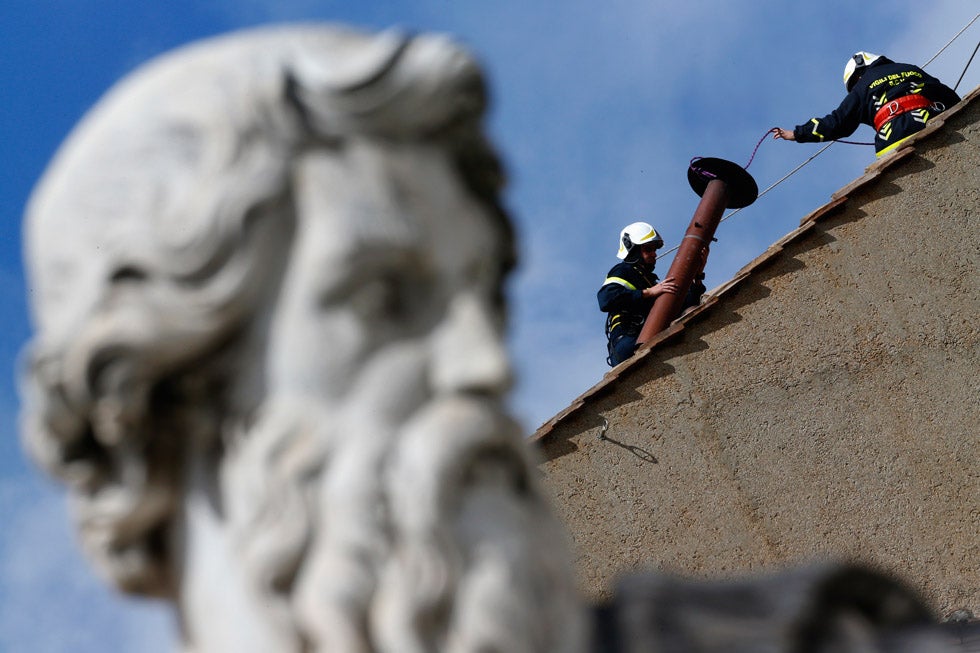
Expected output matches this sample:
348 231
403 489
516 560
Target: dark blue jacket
621 296
882 82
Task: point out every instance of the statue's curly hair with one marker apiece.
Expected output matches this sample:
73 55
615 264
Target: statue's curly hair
149 245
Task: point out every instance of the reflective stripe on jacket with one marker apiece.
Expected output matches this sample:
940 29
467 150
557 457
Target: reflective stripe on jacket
621 296
884 81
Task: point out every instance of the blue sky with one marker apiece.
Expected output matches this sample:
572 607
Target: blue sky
597 109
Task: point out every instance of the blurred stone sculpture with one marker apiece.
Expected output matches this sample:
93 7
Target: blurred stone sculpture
820 608
266 276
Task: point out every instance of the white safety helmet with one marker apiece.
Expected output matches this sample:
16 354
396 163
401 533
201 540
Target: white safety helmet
638 233
855 66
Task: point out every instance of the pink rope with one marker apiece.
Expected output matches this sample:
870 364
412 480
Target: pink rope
772 130
755 150
758 145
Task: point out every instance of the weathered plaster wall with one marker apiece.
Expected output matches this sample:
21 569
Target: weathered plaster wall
827 405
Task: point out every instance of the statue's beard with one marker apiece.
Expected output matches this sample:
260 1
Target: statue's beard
430 534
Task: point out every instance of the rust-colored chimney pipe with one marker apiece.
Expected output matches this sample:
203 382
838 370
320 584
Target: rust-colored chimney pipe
720 184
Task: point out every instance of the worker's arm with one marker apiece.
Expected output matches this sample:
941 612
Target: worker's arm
841 122
616 294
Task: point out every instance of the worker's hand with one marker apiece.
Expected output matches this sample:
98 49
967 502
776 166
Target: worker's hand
784 134
668 286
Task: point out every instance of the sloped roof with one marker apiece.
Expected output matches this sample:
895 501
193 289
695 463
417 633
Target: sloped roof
837 202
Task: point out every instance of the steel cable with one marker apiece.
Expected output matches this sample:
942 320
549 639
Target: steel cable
825 147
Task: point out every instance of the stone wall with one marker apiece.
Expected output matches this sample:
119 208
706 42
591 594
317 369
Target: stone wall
825 404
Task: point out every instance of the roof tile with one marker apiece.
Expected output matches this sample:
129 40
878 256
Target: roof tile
836 204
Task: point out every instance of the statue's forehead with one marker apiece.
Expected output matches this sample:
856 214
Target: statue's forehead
445 248
372 199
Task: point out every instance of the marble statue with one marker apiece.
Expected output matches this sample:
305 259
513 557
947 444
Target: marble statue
266 280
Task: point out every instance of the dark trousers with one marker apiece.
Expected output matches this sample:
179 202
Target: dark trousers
620 348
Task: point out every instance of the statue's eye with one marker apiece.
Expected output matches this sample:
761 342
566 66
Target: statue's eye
127 273
383 297
404 298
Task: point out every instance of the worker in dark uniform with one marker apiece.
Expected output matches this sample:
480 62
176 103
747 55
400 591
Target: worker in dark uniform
631 287
897 99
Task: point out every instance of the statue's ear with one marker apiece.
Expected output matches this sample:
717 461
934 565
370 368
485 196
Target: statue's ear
50 426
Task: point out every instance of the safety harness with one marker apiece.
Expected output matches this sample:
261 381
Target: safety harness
899 106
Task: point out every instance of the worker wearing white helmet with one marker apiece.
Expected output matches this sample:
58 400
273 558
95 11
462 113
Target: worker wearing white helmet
897 99
631 287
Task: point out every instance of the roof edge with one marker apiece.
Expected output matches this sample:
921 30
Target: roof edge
837 203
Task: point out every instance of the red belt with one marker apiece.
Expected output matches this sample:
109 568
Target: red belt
899 106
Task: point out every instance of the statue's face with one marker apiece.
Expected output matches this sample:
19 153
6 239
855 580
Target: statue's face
392 295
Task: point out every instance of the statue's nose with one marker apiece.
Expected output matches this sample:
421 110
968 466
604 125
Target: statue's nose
469 353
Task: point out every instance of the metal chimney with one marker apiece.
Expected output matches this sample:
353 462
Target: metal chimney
721 184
